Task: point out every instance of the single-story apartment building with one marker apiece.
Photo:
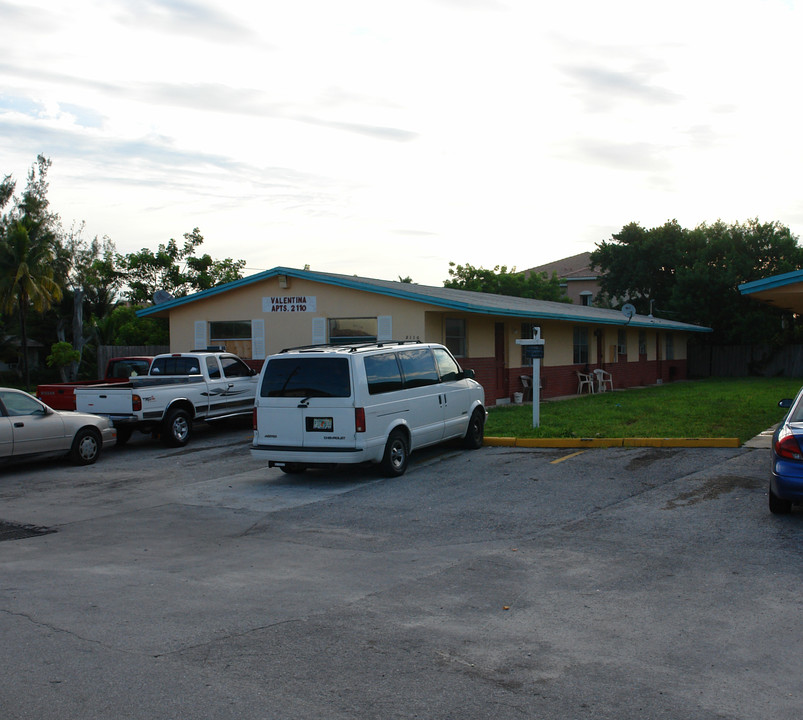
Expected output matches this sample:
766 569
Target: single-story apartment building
283 307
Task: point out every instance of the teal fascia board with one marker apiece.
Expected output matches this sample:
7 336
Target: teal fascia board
430 295
772 282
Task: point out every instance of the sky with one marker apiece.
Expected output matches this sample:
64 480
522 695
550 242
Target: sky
386 138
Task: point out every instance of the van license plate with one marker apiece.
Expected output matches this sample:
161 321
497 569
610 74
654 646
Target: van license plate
317 424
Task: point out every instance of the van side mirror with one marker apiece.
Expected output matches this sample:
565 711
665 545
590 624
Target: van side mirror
786 403
468 374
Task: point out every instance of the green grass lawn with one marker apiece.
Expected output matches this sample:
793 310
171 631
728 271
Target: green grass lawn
712 408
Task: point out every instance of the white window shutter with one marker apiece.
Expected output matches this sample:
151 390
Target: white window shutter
258 339
200 335
318 331
384 328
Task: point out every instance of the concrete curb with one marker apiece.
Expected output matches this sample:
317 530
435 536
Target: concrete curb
610 442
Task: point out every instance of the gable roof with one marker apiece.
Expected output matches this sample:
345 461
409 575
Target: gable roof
575 267
447 298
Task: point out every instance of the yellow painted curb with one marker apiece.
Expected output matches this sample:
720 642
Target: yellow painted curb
501 441
610 442
682 442
569 442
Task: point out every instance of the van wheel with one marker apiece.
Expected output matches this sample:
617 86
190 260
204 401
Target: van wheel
177 428
475 432
397 454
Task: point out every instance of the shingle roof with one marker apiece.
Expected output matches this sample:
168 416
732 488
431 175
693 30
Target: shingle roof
569 268
459 300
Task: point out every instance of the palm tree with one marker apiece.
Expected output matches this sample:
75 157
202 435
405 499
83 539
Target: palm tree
28 244
27 277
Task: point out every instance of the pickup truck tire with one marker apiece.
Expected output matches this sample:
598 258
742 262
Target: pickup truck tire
177 428
123 435
86 447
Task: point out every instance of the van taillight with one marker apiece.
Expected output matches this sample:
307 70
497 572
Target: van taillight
359 419
254 420
136 402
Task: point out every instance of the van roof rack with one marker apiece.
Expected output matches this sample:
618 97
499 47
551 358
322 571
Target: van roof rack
349 347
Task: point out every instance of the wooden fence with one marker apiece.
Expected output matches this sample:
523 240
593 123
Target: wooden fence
745 360
106 352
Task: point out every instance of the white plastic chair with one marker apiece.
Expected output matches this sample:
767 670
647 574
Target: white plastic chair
603 379
584 380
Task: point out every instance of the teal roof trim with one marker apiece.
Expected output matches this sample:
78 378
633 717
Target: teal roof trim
772 282
459 300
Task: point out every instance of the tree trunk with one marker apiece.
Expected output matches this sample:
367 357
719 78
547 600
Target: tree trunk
77 328
24 333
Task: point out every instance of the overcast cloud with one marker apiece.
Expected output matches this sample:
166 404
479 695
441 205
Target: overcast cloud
388 138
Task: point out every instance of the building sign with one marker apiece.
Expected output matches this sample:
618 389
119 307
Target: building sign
289 303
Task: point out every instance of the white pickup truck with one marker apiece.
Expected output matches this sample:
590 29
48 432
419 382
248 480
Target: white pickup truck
178 389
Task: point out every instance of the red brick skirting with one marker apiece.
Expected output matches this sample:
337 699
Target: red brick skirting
562 380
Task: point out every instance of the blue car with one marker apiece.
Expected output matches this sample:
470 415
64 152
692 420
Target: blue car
786 481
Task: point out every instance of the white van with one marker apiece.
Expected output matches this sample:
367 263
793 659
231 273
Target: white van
371 402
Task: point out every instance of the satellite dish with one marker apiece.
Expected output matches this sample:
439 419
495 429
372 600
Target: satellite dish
628 310
161 296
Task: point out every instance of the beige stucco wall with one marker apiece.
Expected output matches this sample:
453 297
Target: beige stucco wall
410 321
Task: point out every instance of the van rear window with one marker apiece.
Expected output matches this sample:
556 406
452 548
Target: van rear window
306 377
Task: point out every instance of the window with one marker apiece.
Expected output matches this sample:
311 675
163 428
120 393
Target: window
455 336
175 366
233 335
642 342
234 367
585 298
580 346
383 373
130 367
346 331
213 368
418 368
447 366
306 377
621 343
18 404
670 346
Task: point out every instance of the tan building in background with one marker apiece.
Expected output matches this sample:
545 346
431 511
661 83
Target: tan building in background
577 277
284 307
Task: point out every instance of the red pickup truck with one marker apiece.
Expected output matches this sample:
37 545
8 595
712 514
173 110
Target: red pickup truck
61 396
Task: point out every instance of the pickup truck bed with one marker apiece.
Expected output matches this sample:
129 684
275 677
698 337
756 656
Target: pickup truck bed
61 396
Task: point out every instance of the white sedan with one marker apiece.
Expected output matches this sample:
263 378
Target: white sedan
30 428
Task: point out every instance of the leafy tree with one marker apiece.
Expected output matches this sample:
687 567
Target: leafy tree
693 275
91 282
175 269
500 281
63 355
123 327
28 244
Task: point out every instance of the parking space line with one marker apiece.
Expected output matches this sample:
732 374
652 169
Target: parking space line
566 457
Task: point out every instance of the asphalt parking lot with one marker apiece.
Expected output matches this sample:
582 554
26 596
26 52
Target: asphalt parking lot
507 583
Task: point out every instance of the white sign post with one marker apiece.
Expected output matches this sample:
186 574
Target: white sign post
534 348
